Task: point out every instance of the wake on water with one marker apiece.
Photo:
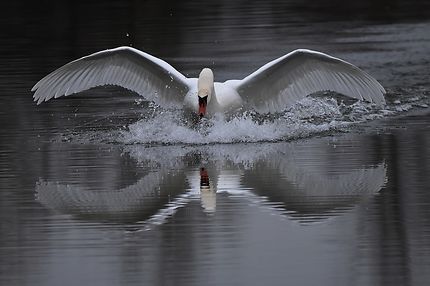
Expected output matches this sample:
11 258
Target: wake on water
311 116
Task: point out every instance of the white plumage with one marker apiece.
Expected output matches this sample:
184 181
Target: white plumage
273 87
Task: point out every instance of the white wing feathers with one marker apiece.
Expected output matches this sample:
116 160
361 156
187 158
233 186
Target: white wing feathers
271 88
127 67
284 81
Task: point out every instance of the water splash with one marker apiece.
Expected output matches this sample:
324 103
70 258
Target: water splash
310 116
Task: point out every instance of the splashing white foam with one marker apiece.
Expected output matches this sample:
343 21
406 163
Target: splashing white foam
310 116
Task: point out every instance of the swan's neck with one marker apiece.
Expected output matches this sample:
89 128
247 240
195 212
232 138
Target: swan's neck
205 83
205 86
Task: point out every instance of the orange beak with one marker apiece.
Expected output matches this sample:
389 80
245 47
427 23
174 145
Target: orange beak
203 101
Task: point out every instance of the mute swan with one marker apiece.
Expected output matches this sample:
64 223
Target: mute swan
271 88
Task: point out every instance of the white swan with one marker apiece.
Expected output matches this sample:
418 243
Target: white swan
271 88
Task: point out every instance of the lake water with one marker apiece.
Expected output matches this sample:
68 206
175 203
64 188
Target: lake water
103 188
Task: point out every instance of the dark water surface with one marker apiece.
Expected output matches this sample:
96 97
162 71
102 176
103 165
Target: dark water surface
345 202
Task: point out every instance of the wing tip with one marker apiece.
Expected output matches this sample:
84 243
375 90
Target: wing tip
38 100
380 93
36 85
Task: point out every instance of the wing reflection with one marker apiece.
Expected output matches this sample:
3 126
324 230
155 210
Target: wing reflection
307 181
137 201
310 197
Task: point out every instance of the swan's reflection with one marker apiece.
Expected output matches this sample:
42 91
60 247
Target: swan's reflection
307 181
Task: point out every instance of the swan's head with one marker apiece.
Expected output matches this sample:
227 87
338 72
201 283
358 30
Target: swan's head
205 86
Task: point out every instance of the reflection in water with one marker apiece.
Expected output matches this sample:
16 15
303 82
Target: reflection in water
207 192
287 178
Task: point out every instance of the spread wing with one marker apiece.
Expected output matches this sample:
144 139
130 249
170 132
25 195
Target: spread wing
127 67
284 81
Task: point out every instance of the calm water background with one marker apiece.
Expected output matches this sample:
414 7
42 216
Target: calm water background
348 207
